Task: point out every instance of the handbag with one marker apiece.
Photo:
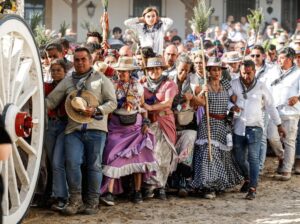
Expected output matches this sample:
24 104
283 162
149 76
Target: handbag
127 119
184 117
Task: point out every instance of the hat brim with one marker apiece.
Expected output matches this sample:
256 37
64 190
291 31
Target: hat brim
75 115
163 67
232 61
129 68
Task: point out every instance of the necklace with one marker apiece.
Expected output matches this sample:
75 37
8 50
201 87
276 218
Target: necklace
215 88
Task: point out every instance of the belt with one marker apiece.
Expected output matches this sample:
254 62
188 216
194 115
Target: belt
218 116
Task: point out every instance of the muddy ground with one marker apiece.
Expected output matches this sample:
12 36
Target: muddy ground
276 202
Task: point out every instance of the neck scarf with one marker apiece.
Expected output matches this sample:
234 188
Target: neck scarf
245 89
153 85
153 29
79 80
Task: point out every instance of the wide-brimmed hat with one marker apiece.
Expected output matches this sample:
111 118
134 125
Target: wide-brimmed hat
231 57
156 62
214 62
74 105
125 64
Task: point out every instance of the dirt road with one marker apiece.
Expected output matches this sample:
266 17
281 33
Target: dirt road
276 202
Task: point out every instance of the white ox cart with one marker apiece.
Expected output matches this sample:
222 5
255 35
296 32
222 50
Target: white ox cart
22 109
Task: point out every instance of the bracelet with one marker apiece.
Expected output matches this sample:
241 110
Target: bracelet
97 111
146 121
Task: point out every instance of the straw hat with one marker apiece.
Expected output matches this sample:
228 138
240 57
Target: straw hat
156 62
214 62
125 64
74 105
232 57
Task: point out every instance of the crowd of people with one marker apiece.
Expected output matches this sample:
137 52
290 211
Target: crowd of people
139 121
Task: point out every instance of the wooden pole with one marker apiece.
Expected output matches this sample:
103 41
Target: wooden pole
206 101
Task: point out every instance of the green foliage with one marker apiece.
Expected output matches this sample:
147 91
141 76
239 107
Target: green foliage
43 36
105 4
255 19
63 27
35 20
200 21
86 25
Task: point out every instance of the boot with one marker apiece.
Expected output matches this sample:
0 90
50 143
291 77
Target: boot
297 166
92 206
75 205
280 166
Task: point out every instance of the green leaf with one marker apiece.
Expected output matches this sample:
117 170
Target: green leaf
201 17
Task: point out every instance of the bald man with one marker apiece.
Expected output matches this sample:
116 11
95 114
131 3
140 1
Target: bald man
170 56
126 51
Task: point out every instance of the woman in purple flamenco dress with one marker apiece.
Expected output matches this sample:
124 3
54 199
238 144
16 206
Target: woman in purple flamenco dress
130 144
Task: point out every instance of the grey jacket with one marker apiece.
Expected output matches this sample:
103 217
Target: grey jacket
102 88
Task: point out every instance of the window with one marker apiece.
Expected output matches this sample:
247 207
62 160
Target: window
34 7
290 12
140 5
238 8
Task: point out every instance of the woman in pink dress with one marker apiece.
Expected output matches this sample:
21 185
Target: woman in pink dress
159 93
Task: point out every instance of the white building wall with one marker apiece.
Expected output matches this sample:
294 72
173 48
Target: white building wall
276 10
61 12
175 10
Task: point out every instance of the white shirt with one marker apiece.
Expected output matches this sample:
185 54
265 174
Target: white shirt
252 107
285 89
171 73
267 74
150 39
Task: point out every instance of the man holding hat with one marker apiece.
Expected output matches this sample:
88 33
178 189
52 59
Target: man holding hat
90 98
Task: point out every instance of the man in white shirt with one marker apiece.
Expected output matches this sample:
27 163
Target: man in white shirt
286 91
264 73
252 95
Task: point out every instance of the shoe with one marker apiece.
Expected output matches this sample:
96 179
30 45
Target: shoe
285 176
108 199
148 194
245 187
209 195
91 208
161 194
59 205
137 197
297 166
75 205
182 193
251 194
280 166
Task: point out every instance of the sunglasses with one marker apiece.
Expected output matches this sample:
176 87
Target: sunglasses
255 55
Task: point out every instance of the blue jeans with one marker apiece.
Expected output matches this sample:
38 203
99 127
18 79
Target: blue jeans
56 155
85 148
248 147
298 142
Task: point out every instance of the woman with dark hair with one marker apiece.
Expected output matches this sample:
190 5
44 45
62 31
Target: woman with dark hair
220 173
151 29
130 144
159 94
54 138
